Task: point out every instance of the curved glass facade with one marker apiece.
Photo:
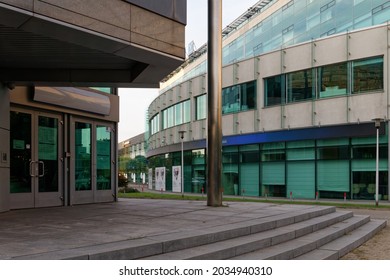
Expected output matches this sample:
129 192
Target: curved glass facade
296 22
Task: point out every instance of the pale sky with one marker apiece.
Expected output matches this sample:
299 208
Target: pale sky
134 102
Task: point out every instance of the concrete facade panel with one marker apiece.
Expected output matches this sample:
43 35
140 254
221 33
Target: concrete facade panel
246 122
367 43
270 118
330 50
228 124
270 64
22 4
100 16
331 111
298 115
156 32
297 58
365 107
246 71
227 76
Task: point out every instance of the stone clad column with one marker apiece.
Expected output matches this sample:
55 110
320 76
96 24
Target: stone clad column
4 147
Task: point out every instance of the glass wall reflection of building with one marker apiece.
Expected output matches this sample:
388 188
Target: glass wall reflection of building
302 81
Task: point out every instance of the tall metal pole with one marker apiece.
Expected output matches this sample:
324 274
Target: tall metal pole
377 166
181 132
377 122
214 90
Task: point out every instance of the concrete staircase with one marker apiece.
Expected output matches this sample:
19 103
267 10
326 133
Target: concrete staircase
270 232
318 233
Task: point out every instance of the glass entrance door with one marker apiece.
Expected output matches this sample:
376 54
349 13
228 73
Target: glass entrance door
35 160
92 162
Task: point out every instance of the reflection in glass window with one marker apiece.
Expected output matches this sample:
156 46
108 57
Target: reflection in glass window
380 14
327 11
274 90
231 99
367 75
201 109
300 85
239 98
333 80
103 158
83 159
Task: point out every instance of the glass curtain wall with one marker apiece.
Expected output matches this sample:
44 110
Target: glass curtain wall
363 168
333 165
230 179
330 167
249 177
301 169
273 169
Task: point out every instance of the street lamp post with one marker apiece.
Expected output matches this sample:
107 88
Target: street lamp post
181 132
377 122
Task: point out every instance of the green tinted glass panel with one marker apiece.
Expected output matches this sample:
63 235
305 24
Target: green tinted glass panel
333 175
274 90
301 154
273 173
249 179
201 110
301 179
103 157
367 75
300 85
48 154
186 111
20 157
333 80
83 159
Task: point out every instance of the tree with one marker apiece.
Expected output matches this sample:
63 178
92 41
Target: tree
137 166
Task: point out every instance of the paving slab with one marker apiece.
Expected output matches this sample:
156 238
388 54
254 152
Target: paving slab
133 228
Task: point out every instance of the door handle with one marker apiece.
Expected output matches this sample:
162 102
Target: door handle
31 173
43 169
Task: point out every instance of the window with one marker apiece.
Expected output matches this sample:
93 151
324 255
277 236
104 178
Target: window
327 81
300 85
201 108
239 98
333 80
155 124
177 114
186 111
274 90
367 75
327 11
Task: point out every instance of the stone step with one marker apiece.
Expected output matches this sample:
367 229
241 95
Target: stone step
304 244
165 243
336 249
241 245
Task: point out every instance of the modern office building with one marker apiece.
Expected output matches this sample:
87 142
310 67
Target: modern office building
302 82
128 151
60 65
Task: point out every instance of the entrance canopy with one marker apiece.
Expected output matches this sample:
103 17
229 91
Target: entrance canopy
87 43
